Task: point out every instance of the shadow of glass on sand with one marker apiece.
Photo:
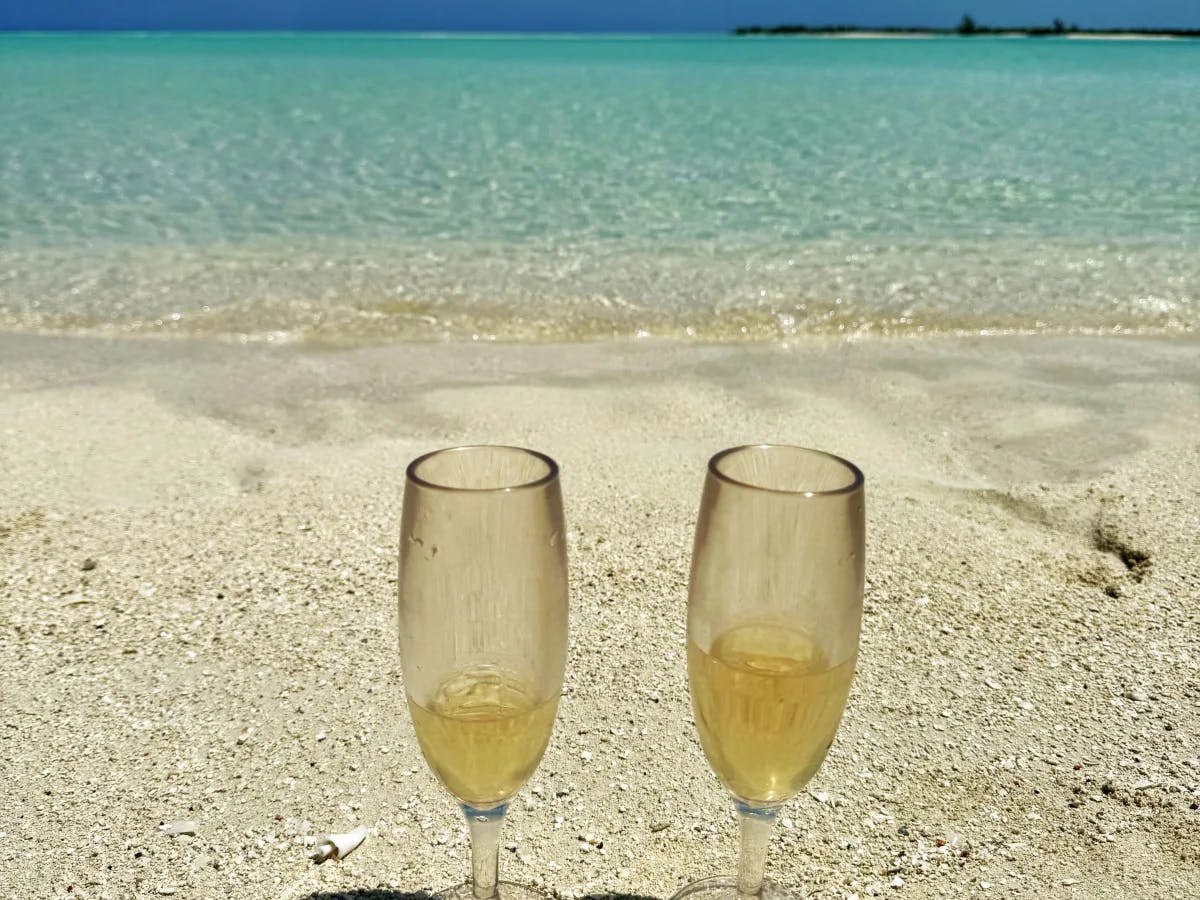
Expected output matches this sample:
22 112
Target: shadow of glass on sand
388 894
371 894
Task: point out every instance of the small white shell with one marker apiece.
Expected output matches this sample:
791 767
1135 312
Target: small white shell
337 846
182 826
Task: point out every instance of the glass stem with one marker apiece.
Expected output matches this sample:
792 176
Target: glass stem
757 823
485 848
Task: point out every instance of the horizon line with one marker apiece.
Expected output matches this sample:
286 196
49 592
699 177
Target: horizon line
432 32
730 31
814 30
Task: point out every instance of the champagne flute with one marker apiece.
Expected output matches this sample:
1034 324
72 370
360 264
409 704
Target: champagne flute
774 611
483 631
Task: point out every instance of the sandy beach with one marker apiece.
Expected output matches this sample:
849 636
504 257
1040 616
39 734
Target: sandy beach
197 576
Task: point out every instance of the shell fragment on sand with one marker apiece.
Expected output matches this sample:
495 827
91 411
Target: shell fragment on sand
337 846
178 827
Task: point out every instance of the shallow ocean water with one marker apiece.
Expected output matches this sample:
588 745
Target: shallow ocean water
366 187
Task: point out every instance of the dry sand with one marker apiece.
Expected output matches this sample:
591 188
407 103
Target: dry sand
197 576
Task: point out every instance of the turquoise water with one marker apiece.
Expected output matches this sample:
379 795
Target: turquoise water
387 186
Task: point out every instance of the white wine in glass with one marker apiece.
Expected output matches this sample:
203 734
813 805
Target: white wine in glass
483 733
774 612
483 631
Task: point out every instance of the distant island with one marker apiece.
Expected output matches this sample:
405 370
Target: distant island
968 27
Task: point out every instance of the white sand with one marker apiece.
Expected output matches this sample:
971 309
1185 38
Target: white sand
1024 722
1123 36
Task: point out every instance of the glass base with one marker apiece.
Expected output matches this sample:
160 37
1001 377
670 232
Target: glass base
724 887
505 890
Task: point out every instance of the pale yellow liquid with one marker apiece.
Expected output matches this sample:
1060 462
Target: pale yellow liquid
483 733
767 706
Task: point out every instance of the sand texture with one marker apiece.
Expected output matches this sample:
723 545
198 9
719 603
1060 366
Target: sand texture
197 616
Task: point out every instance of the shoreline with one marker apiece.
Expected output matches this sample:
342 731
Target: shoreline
762 328
332 291
1167 34
931 35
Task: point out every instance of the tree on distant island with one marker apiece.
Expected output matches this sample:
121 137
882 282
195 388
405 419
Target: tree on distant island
967 27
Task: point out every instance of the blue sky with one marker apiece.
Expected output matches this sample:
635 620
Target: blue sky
576 15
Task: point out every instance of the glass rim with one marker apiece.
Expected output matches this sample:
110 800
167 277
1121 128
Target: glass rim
410 471
856 481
